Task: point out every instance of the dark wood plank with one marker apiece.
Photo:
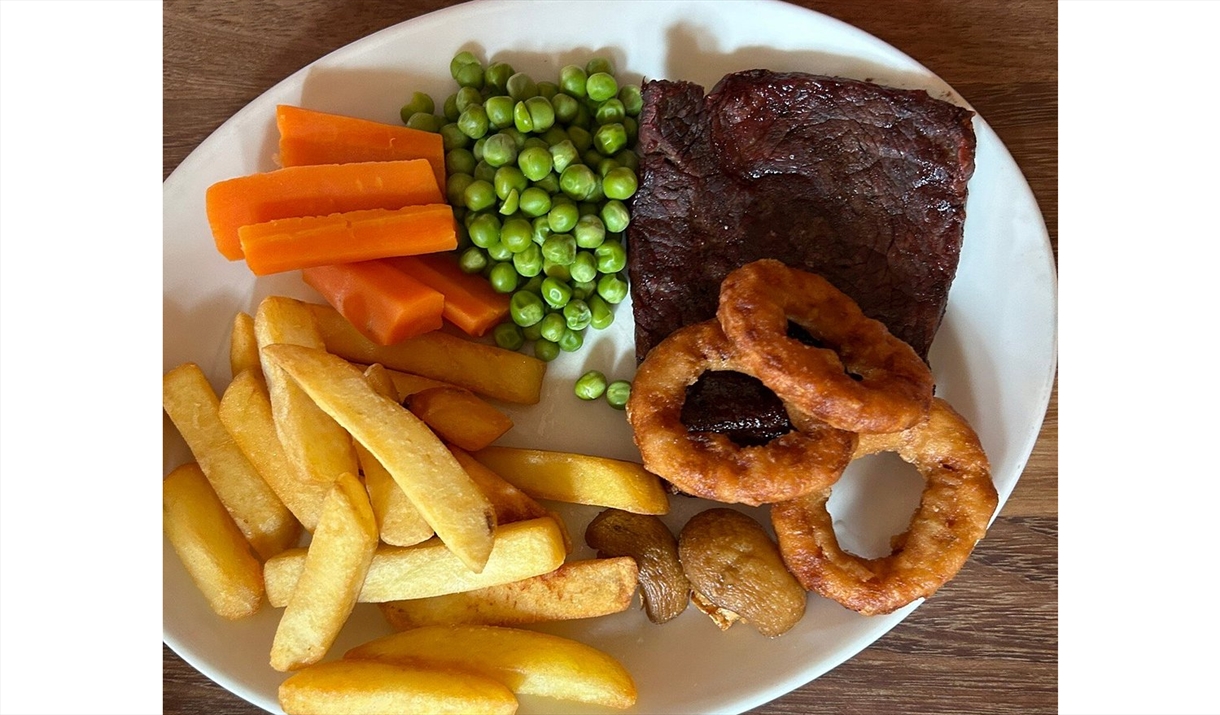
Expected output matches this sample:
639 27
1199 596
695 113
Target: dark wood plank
987 643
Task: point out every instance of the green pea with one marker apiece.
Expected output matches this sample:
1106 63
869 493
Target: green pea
584 267
600 314
581 290
470 75
556 292
419 102
534 285
526 308
472 260
632 128
558 271
547 89
612 288
535 202
465 57
562 217
528 261
580 138
479 195
605 166
576 314
534 142
517 136
610 138
583 118
455 188
497 74
546 350
510 204
542 229
508 178
451 109
566 107
611 258
571 340
535 163
590 231
628 159
609 112
563 154
590 385
508 336
459 161
499 150
531 332
633 101
599 64
499 111
473 121
601 86
453 138
549 183
618 393
499 252
615 216
577 181
552 327
572 80
425 122
484 171
588 208
463 236
477 149
466 98
515 235
484 230
620 183
559 248
503 278
541 114
554 135
521 87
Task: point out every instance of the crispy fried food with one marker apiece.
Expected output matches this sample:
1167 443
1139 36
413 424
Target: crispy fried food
521 550
708 464
356 687
211 547
526 662
652 545
459 417
736 567
331 577
511 504
957 505
437 485
864 379
578 478
243 346
194 408
578 589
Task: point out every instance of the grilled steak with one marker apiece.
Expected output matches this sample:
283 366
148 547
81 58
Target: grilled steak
863 184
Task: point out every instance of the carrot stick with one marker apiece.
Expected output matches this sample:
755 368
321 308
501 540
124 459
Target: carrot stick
470 302
315 191
291 243
381 302
309 137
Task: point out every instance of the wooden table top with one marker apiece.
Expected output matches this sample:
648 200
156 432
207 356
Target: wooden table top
987 643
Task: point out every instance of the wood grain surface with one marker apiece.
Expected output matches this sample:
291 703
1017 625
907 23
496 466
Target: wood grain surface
987 643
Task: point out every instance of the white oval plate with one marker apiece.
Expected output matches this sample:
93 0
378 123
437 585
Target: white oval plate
994 358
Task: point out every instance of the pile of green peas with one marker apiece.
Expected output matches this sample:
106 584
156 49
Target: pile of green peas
540 176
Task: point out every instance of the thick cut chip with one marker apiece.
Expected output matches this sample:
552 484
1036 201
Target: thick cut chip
315 444
485 369
397 518
245 411
522 550
578 478
243 346
331 576
459 417
440 489
511 504
579 589
529 663
211 547
353 687
194 408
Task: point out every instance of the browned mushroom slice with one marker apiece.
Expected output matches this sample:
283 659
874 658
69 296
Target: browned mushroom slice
736 570
646 539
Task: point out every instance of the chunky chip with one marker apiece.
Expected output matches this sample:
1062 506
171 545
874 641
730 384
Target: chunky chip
351 687
578 478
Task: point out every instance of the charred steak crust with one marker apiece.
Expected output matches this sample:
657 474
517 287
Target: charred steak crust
863 184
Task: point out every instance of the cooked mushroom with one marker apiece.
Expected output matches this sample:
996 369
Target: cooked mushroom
647 540
736 570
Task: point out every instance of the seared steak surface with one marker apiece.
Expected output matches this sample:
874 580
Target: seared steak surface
863 184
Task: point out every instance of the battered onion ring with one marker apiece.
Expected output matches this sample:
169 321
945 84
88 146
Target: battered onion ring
956 506
756 303
708 464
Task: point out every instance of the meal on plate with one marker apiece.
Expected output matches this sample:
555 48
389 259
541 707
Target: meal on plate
788 241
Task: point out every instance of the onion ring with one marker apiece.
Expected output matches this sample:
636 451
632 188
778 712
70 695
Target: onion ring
957 504
709 464
895 387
